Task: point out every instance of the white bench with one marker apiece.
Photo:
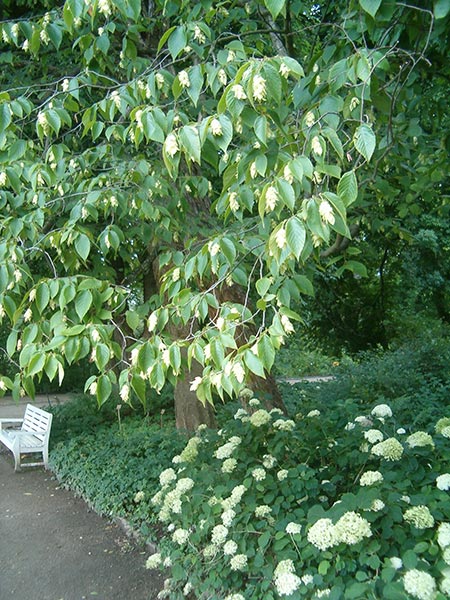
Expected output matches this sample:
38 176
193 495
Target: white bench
28 435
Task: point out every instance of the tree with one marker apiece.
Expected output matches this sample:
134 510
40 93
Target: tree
171 173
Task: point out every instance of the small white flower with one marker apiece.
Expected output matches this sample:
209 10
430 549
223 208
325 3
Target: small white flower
271 198
125 392
222 77
93 388
195 384
284 70
280 239
171 145
316 146
199 35
310 119
28 314
259 88
326 212
238 92
287 325
216 127
183 78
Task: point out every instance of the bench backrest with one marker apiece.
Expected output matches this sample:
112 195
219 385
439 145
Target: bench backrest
37 422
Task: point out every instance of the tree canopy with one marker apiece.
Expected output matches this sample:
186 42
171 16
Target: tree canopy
173 173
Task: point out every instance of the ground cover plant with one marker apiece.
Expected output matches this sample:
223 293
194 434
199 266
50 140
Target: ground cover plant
339 504
334 457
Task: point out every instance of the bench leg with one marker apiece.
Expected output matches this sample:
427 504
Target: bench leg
45 457
17 460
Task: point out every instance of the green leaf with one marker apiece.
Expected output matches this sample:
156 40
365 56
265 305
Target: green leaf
441 8
266 352
82 246
132 319
36 364
295 236
102 356
274 7
190 141
83 303
138 385
254 363
370 6
228 249
177 41
5 116
104 389
365 141
347 188
42 296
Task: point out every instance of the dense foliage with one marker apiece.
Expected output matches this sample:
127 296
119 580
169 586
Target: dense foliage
171 173
295 472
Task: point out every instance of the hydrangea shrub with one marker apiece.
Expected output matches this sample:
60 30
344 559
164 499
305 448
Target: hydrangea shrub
270 507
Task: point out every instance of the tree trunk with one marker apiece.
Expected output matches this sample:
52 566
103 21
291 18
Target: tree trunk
189 411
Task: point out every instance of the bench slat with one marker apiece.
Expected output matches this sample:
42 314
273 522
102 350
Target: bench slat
32 437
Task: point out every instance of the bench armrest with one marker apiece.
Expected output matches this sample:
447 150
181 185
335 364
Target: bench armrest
15 422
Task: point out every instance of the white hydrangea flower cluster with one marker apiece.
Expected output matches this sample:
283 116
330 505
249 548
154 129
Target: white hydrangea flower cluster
227 449
190 452
419 439
235 497
282 474
446 555
381 411
180 536
443 535
285 579
419 584
313 413
153 561
167 476
229 465
443 425
259 474
284 424
238 562
370 478
235 597
373 436
219 535
391 449
350 529
419 516
293 528
230 548
227 517
377 505
445 586
260 417
269 461
172 502
262 511
443 482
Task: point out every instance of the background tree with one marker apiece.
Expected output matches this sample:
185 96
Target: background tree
172 174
